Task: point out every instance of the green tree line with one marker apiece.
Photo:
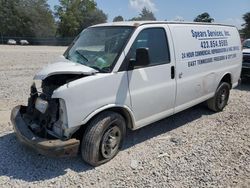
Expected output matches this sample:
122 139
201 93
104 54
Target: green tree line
34 18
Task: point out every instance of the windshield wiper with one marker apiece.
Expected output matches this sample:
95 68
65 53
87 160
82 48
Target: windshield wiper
81 55
98 69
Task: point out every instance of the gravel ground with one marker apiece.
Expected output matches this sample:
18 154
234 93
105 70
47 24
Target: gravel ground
194 148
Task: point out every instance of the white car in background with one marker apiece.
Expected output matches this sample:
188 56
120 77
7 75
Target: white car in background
24 42
11 42
246 59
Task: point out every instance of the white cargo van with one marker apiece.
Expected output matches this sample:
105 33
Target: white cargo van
123 75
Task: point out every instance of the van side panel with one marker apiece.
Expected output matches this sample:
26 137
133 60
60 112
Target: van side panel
204 54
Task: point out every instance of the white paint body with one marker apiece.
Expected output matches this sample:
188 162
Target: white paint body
149 94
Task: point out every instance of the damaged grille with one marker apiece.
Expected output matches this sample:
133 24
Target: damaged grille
43 110
39 122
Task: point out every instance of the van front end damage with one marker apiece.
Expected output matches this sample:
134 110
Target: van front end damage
42 124
46 146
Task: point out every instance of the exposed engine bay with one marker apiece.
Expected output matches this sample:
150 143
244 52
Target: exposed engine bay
43 115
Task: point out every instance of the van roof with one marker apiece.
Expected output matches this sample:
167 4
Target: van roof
139 23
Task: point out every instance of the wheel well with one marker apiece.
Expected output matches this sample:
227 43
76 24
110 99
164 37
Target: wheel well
128 120
125 115
227 78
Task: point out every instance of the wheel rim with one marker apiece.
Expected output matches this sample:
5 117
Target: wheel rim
111 142
222 100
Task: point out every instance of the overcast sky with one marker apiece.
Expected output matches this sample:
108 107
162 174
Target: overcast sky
223 11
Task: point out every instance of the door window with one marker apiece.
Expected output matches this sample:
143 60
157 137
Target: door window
155 40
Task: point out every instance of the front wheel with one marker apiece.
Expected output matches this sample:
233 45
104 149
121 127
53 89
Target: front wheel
220 99
103 138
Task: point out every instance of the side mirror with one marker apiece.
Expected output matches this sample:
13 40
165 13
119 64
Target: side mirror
142 58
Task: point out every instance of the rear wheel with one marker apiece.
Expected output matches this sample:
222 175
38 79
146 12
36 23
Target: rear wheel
103 138
220 99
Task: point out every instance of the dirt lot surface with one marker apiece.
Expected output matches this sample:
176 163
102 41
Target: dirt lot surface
195 148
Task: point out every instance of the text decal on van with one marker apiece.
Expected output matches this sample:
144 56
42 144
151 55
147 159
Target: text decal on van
209 34
211 42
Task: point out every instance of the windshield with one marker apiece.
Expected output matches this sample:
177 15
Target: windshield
99 47
246 44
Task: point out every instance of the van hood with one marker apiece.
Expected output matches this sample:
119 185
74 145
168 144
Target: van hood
64 67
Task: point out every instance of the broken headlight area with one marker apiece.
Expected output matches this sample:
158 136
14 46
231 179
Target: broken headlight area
41 105
42 114
46 116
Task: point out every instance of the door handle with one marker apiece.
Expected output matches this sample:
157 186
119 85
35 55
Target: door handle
180 75
172 72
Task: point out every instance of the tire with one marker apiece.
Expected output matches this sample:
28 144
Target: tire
220 99
103 138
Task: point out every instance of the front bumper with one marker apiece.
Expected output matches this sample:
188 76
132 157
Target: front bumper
49 147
